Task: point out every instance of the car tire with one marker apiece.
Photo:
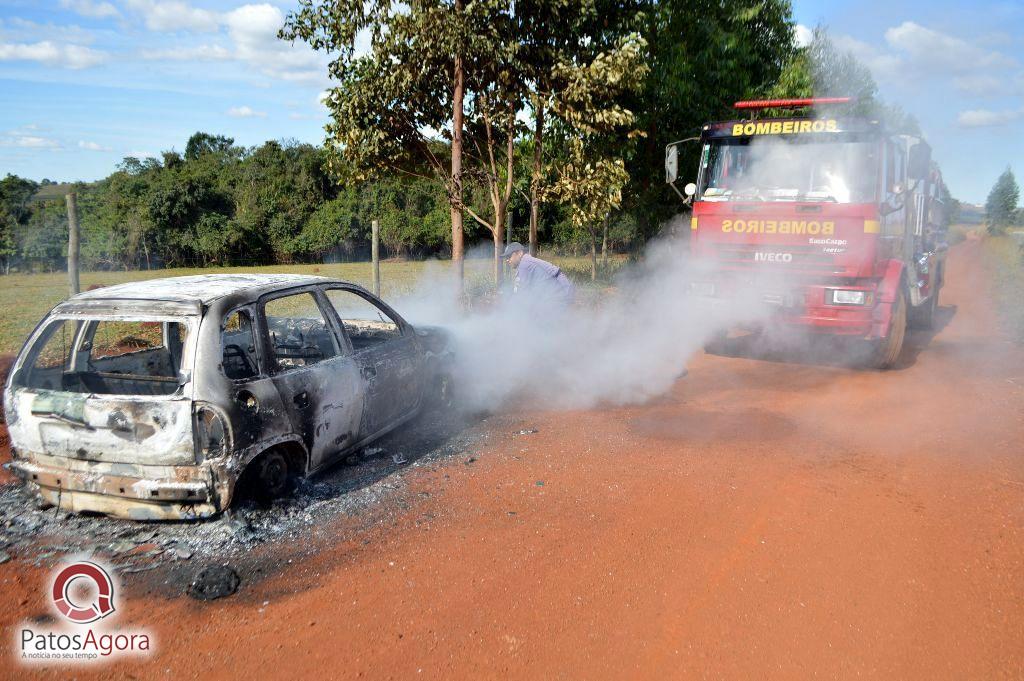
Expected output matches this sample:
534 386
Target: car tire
271 477
717 344
442 395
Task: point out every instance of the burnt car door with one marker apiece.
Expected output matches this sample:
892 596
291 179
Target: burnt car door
389 357
319 382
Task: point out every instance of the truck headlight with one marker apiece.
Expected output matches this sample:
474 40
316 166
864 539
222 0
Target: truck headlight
839 296
702 288
212 434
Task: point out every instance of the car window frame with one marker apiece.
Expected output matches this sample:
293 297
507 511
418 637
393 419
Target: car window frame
342 348
404 328
29 352
262 364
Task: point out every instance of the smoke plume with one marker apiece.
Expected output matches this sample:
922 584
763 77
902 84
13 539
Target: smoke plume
628 347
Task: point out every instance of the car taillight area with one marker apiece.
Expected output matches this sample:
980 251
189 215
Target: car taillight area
212 433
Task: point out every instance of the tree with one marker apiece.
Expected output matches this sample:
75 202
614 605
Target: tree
823 70
704 55
551 31
1001 205
15 194
425 55
593 175
203 143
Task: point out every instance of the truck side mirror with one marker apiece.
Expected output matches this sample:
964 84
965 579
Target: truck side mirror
690 189
919 163
671 163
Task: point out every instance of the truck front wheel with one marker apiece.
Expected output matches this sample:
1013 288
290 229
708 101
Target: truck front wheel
889 348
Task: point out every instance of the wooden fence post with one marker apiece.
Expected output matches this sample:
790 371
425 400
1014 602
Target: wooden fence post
375 255
73 247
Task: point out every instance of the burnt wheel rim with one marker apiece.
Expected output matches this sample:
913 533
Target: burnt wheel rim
273 474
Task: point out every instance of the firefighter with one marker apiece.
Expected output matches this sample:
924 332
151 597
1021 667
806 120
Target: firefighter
545 284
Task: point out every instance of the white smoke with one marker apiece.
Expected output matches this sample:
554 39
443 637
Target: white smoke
629 347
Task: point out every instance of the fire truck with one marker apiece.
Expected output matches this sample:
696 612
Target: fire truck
835 223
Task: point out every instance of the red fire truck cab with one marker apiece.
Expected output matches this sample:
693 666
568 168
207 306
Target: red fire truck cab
836 223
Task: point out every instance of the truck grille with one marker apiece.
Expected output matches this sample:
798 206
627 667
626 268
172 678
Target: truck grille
801 257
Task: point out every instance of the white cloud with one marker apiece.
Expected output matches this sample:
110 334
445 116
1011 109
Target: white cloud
802 35
89 8
92 146
24 141
26 31
253 29
938 50
198 53
984 118
915 53
1000 84
882 65
174 15
245 112
52 54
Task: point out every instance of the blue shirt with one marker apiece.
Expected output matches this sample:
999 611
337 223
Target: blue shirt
543 280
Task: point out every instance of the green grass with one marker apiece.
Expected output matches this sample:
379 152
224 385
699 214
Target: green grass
1004 256
26 298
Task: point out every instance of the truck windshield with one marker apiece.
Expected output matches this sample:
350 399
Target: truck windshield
840 169
107 357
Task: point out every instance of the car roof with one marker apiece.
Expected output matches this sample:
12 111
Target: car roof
199 288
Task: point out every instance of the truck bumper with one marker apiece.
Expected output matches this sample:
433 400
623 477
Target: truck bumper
128 491
805 308
866 322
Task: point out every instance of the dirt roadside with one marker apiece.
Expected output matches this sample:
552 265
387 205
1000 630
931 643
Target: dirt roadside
764 519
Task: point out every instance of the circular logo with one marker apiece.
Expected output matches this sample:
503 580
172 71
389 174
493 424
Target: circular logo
101 592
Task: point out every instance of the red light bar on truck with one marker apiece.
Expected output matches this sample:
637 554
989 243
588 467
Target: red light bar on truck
789 103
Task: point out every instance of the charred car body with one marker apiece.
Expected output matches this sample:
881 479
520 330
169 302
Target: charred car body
158 399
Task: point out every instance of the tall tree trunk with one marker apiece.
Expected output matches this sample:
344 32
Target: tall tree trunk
458 248
604 245
538 138
499 247
593 253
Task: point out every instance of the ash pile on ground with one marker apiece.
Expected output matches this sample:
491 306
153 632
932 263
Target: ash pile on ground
370 486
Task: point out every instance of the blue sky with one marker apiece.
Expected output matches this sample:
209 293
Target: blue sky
87 82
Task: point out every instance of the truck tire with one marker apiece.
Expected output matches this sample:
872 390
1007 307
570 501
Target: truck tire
889 348
923 316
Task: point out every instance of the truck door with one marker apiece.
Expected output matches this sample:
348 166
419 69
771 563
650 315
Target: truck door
894 241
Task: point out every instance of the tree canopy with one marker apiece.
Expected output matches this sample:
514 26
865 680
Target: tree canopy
553 112
1001 205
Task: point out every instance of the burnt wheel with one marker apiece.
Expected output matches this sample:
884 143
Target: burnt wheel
270 476
444 397
716 345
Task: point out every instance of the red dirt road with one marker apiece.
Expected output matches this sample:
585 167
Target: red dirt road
765 519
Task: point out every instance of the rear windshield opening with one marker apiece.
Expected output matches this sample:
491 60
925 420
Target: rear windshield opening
107 357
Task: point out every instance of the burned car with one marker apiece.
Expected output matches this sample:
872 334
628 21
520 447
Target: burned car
161 399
